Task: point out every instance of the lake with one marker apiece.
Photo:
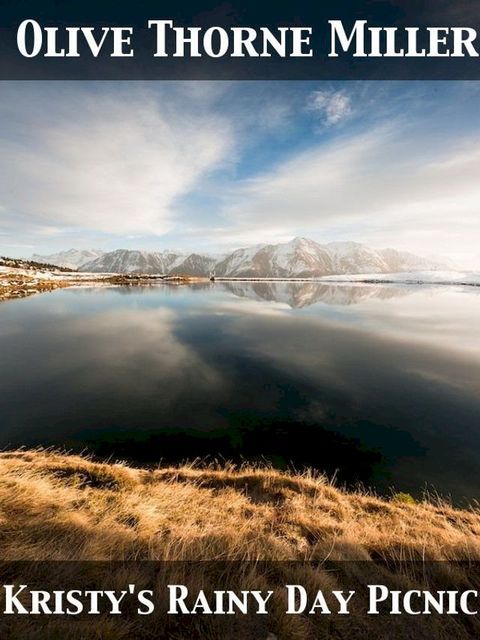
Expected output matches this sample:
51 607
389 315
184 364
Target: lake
374 384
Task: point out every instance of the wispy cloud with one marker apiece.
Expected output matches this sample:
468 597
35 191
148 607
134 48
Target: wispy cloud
375 186
115 164
332 107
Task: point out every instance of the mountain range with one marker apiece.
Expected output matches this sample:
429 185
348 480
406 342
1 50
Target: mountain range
300 258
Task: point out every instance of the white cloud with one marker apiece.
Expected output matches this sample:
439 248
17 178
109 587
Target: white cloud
382 187
332 106
115 164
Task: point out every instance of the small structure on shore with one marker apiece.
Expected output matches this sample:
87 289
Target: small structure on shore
212 276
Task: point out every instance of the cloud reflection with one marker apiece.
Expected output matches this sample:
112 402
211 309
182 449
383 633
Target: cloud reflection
391 370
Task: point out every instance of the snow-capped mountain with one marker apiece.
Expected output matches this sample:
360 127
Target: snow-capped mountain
72 259
302 258
299 258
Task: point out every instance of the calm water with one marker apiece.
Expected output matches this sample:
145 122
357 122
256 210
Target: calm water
377 384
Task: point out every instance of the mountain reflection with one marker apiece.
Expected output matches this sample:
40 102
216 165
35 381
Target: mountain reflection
304 294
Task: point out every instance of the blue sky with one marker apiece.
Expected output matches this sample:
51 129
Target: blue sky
211 166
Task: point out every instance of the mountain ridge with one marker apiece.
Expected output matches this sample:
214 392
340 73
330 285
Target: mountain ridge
71 259
300 257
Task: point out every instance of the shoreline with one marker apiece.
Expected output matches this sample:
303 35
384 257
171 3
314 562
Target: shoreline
21 283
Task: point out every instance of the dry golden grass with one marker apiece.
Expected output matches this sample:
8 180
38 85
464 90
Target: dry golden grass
61 507
56 506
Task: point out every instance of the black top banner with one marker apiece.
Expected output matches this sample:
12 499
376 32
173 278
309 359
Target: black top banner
283 40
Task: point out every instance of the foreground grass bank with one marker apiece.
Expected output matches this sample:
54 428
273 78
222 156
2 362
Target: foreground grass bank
57 506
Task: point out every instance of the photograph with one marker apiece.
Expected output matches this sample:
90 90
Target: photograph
239 330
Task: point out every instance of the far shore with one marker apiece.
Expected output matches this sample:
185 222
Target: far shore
22 282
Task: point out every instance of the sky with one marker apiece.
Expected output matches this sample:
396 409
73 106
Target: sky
213 166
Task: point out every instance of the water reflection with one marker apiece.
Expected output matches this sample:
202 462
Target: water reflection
305 294
378 383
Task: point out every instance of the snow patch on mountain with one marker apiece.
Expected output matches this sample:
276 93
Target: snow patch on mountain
72 259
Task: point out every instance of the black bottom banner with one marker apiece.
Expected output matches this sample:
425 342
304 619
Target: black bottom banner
246 600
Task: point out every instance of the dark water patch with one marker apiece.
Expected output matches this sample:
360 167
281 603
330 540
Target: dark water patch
284 445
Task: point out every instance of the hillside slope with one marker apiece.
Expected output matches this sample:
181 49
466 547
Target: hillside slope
192 513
